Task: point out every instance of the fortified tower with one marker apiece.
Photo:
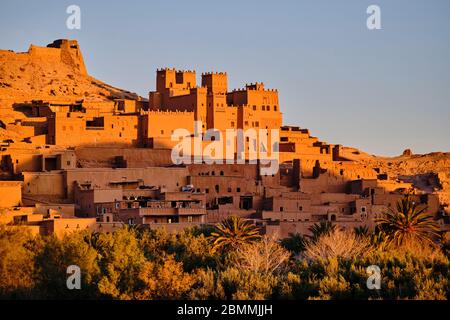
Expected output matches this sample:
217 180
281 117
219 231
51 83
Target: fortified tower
216 82
176 81
170 85
217 87
251 107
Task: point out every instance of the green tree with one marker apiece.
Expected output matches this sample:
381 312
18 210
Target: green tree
17 254
164 281
319 229
294 243
361 231
193 250
121 262
56 256
246 285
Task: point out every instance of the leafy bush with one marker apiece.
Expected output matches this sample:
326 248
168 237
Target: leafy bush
17 255
145 264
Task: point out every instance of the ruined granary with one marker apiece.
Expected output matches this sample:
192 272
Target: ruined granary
77 153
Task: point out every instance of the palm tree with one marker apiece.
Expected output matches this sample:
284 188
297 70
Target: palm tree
233 232
294 243
361 231
408 223
319 229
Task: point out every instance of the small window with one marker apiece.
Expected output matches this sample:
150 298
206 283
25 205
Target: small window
281 209
263 108
238 189
206 190
274 108
221 173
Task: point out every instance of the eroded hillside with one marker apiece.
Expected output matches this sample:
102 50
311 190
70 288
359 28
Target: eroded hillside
52 72
429 172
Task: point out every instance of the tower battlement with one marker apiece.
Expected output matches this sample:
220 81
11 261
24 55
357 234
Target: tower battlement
214 73
170 78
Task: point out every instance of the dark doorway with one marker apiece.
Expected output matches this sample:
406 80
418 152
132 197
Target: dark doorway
50 164
246 202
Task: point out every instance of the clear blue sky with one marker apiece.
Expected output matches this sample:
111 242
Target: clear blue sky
381 91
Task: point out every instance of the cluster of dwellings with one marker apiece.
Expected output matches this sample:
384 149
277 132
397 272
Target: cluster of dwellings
139 185
43 218
176 197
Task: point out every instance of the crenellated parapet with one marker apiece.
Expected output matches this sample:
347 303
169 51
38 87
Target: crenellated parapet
214 73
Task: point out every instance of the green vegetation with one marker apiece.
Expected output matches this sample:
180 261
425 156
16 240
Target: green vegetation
408 224
233 232
231 262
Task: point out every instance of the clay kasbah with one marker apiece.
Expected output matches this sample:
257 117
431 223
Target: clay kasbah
202 191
